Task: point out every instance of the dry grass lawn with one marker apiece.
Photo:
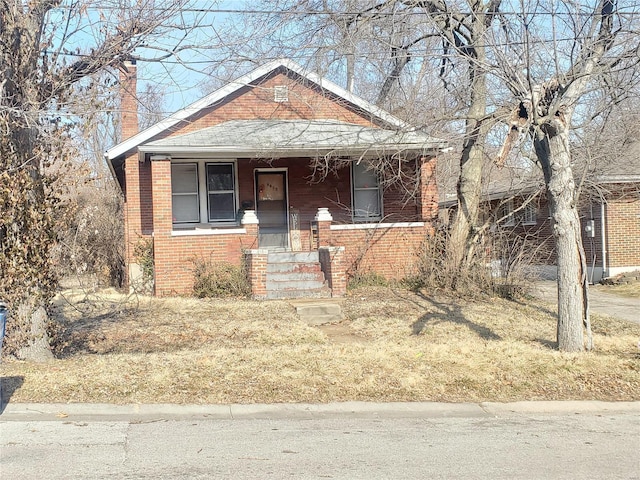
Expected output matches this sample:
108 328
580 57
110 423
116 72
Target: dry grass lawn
394 345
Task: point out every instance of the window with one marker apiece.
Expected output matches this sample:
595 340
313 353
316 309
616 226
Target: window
216 204
505 214
526 215
221 192
366 193
529 214
281 93
184 193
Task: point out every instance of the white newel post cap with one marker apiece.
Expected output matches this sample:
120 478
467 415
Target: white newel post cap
323 215
249 218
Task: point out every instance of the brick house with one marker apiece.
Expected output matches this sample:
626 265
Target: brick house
276 170
609 214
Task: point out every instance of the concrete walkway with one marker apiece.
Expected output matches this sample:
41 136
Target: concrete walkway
624 308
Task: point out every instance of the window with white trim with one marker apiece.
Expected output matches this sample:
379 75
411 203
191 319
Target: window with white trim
505 214
529 214
201 190
221 194
281 93
184 193
367 198
526 215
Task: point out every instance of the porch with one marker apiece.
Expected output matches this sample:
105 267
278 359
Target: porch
254 208
319 266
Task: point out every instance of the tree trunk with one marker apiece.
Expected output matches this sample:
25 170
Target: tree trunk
34 317
460 249
552 149
469 186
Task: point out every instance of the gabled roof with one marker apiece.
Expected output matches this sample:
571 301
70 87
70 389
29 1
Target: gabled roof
230 88
265 138
498 183
622 167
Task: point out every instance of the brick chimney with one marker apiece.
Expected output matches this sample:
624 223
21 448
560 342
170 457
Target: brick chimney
128 99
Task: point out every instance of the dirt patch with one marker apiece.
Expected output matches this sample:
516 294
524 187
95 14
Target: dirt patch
341 333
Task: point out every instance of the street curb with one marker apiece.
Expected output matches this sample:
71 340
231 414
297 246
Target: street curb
147 412
561 407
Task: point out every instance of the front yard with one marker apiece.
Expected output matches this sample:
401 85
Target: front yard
394 345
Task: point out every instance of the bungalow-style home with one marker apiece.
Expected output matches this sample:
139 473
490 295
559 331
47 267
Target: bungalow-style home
609 208
274 171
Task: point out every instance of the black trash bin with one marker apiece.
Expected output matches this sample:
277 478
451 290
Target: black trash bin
3 324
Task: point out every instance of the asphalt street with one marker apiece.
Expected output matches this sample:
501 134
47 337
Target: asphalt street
545 440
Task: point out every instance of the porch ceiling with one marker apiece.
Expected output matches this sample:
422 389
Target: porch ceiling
287 138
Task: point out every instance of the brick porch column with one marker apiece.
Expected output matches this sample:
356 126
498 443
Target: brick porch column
428 189
256 264
161 194
332 262
323 219
250 223
132 216
162 223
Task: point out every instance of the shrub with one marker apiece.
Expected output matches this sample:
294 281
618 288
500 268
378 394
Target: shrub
143 253
91 240
220 279
366 279
500 264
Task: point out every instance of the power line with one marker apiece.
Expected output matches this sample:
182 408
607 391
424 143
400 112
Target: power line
413 11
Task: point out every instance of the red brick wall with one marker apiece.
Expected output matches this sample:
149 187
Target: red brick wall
428 199
256 267
623 229
390 252
175 258
334 269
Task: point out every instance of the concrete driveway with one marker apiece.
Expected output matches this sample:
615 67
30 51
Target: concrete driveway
624 308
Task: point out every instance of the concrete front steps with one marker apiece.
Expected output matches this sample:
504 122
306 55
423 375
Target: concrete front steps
295 275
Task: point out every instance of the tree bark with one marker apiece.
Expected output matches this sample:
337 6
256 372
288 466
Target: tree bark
460 249
37 347
551 142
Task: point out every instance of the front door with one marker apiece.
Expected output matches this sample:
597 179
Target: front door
271 203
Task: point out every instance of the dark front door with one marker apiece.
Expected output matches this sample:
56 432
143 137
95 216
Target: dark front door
271 196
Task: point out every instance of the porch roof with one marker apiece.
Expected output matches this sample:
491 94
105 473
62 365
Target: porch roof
287 138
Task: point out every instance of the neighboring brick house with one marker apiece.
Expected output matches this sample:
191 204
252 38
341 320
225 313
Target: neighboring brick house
609 211
274 162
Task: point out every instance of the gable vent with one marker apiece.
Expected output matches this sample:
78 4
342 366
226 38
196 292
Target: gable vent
281 93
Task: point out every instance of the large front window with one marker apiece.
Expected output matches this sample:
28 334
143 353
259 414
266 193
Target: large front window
221 192
184 193
366 193
201 190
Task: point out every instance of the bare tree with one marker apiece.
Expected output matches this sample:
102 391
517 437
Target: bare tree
409 45
551 55
601 40
47 49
